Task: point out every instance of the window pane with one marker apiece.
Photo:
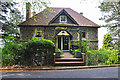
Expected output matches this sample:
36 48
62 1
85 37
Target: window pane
83 34
63 19
38 34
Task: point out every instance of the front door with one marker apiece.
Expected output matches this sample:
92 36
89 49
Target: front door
65 43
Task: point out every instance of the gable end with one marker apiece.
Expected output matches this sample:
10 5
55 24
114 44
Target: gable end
63 12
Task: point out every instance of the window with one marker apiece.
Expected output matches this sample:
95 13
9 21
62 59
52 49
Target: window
63 19
38 34
83 35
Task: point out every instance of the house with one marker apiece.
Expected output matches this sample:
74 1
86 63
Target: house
61 24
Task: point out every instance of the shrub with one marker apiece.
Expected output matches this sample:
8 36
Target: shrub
44 48
24 53
84 45
103 56
107 41
12 53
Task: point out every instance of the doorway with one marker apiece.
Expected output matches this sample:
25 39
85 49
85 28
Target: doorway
63 42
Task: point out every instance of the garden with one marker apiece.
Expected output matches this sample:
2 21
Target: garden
40 52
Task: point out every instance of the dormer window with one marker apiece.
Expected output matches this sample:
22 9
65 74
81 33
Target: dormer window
63 19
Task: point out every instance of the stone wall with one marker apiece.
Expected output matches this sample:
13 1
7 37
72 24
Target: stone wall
92 36
49 33
27 33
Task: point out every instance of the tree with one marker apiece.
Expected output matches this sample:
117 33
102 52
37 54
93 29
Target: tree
111 16
10 17
107 41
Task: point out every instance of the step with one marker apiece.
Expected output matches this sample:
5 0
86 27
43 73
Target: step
77 63
69 62
68 59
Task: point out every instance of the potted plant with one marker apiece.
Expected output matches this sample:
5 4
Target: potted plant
58 53
78 53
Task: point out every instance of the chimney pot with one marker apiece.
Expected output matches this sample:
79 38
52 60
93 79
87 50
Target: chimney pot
81 13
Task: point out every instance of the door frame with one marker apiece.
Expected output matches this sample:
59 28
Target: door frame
62 43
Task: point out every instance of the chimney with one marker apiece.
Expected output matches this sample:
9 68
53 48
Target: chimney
81 13
28 10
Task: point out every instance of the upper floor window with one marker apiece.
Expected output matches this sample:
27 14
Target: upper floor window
63 19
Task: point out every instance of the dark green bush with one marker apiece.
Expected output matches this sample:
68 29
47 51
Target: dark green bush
24 53
44 48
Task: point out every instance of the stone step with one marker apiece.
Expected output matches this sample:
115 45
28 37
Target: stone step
68 59
70 63
78 62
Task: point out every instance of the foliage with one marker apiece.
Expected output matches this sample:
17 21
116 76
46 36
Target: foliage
60 51
42 47
84 45
12 52
38 5
24 53
111 15
107 41
103 56
9 23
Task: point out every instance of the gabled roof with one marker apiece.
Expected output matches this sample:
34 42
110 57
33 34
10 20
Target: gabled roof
45 19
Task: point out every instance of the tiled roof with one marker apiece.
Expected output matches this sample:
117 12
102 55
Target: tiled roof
44 19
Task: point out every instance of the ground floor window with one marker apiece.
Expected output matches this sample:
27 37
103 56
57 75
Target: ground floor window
38 33
84 35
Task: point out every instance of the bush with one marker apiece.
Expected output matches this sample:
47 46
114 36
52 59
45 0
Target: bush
12 53
107 41
103 56
42 47
84 46
24 53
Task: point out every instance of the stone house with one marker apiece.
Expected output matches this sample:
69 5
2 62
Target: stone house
60 26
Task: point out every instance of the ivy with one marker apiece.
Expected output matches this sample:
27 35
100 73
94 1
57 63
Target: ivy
107 41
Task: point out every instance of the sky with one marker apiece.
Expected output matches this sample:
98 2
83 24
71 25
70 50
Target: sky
89 8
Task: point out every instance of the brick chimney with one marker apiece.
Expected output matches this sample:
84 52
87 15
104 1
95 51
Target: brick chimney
28 10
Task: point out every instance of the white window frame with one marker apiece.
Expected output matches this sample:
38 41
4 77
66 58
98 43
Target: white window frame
40 33
65 19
